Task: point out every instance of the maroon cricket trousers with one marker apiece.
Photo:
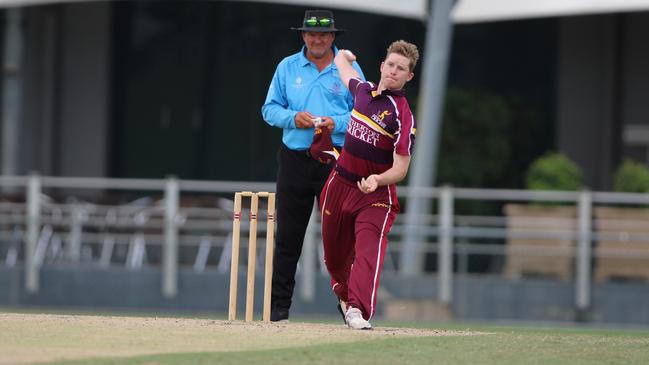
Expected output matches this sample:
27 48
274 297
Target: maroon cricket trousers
355 227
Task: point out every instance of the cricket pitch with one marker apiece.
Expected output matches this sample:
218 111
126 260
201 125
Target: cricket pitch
30 338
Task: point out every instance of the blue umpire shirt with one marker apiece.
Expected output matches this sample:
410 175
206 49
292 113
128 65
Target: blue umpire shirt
298 86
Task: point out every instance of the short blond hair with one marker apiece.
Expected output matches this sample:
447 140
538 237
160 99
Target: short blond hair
405 49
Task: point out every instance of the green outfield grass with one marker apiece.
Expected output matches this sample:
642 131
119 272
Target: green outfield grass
179 340
505 346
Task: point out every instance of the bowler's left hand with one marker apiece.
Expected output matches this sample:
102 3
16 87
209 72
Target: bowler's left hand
368 185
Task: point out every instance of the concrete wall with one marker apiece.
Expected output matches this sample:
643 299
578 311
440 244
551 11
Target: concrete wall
586 88
67 89
84 98
635 88
39 94
602 86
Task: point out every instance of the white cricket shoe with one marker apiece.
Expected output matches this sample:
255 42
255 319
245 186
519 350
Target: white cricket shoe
354 319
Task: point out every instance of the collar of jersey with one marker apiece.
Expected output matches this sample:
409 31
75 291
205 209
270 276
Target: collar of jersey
305 61
400 92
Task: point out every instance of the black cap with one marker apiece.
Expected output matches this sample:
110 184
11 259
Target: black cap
318 21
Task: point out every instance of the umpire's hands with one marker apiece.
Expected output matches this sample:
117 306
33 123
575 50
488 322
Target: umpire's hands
307 120
327 122
304 120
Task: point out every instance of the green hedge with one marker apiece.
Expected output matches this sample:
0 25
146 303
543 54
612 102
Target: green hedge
631 177
554 171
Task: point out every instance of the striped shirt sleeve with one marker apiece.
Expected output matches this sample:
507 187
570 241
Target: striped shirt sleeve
405 139
354 85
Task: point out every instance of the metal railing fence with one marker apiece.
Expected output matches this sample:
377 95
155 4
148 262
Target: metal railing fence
163 229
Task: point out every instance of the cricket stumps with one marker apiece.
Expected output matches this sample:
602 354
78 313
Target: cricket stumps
252 251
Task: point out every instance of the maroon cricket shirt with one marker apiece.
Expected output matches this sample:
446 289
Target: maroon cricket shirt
380 124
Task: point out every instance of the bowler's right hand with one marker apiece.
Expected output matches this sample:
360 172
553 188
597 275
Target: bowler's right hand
349 55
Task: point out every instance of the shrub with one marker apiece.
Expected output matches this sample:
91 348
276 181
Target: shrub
554 171
631 177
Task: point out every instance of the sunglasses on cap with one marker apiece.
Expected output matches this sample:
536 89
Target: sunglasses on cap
315 22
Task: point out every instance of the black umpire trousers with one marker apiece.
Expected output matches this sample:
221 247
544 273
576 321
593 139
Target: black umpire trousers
300 180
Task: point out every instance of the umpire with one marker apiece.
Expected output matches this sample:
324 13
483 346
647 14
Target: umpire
305 87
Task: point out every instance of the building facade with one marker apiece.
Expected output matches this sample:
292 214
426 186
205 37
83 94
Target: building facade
149 89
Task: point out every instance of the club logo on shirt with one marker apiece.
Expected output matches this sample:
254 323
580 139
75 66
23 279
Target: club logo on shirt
336 89
362 132
378 118
298 83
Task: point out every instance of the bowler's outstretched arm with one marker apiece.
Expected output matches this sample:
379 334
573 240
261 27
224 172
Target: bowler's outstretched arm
346 71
